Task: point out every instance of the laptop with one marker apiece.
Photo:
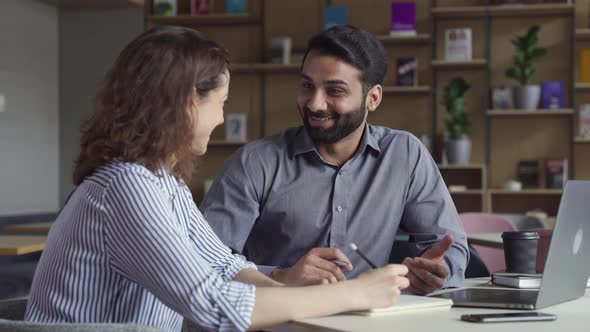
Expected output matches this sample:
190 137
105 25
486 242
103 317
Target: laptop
566 269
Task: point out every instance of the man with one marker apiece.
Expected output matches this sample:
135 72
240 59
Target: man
293 203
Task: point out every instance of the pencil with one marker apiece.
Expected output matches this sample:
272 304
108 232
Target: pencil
360 253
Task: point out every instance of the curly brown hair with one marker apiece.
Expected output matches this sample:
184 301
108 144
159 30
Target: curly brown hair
142 109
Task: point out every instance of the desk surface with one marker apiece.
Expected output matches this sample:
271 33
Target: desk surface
38 227
571 316
493 240
21 244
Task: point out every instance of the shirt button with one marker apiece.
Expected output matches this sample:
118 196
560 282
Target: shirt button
339 208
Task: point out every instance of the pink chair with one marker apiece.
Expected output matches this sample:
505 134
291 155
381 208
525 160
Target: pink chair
474 223
542 247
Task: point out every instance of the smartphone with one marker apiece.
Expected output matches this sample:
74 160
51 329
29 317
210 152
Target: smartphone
508 317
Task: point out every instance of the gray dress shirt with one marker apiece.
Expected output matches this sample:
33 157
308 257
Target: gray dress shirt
276 199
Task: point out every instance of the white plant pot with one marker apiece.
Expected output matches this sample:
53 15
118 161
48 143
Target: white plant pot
527 96
458 151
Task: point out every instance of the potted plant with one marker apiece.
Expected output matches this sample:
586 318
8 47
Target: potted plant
458 143
527 95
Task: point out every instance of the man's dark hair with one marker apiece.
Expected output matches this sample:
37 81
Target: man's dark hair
356 47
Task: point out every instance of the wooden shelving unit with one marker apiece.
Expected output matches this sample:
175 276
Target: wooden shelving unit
533 113
503 10
526 192
421 89
459 12
213 19
264 67
466 192
476 63
419 39
532 9
473 178
266 92
96 4
582 86
583 33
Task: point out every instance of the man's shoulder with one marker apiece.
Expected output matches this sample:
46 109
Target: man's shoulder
388 138
272 145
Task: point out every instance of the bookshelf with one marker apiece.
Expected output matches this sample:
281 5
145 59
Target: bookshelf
473 178
418 39
526 113
476 63
419 89
266 92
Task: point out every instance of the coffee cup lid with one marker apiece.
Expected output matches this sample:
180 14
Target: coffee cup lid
520 235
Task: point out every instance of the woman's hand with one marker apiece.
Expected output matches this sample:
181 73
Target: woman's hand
381 287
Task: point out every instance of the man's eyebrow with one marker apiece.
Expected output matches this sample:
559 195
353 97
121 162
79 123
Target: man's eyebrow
333 82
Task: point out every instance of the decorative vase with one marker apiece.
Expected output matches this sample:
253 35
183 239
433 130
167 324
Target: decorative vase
527 97
458 151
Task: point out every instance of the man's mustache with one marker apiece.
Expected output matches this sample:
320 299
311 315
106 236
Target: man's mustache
320 114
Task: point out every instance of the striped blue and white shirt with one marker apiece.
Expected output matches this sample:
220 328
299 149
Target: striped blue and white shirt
131 246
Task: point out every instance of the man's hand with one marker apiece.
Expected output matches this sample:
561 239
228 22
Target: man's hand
316 267
429 272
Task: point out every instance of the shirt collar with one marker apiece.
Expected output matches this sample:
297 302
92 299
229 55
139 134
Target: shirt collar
302 143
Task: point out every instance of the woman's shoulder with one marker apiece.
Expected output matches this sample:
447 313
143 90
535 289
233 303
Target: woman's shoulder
110 172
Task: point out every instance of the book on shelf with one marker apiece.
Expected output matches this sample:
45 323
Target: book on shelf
201 7
555 173
279 50
165 7
235 6
406 71
528 173
458 45
552 95
520 280
408 303
335 15
502 98
584 120
584 66
403 19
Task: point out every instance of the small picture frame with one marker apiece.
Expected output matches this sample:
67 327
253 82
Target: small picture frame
235 127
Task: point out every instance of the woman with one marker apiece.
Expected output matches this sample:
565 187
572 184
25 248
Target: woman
130 245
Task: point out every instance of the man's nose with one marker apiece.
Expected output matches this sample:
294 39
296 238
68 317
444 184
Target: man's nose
317 102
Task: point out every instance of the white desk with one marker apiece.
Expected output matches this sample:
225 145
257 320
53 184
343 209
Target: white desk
571 316
493 240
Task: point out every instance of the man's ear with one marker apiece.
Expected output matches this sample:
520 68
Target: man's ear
374 97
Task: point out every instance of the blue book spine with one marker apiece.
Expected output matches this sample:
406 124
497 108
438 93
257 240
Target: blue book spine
235 6
335 15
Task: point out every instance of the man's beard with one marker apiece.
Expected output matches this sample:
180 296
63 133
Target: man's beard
343 126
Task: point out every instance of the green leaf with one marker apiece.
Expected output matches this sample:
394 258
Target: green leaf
526 56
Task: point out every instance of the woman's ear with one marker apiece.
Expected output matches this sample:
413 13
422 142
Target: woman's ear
374 97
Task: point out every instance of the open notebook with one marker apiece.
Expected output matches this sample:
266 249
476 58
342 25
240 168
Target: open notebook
408 303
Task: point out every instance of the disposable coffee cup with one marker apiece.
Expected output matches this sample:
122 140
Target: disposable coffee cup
520 251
